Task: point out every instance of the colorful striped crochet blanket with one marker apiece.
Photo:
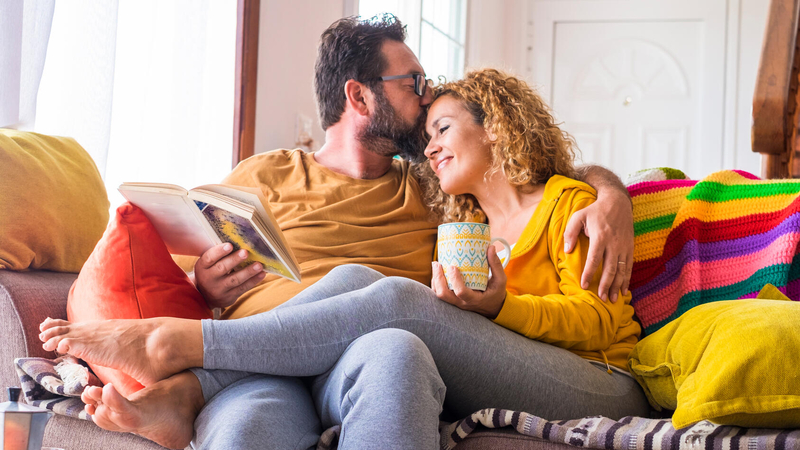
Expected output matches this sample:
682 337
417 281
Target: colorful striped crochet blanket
721 238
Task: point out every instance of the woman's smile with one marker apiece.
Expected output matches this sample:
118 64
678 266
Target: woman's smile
439 163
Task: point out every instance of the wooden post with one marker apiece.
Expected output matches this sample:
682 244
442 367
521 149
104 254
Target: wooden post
244 119
775 112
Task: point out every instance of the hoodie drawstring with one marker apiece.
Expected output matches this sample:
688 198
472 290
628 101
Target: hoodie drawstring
605 358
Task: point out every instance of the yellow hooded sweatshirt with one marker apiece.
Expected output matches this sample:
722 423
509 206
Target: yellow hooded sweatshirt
544 299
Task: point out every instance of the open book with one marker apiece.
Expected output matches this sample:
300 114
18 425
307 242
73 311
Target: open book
191 222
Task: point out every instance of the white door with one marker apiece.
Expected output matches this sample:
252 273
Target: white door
638 84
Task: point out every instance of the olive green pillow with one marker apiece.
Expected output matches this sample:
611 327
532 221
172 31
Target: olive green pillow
53 203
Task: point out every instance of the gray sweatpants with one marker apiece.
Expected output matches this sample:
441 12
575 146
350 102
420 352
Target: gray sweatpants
367 349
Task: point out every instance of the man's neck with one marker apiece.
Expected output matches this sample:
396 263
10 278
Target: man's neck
344 154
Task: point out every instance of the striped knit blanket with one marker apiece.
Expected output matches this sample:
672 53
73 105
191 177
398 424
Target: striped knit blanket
721 238
55 384
628 433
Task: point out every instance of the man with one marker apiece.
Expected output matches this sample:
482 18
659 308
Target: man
350 202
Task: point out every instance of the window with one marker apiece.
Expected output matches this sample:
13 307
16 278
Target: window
436 31
146 87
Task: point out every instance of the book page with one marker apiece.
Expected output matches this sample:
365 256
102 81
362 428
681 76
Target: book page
174 216
240 232
254 198
153 187
250 196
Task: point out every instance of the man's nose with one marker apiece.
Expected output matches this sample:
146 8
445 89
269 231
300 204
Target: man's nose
427 98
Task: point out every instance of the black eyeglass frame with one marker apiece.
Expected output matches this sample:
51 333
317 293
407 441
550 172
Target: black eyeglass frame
420 82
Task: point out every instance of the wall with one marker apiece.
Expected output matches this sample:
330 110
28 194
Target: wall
498 36
288 38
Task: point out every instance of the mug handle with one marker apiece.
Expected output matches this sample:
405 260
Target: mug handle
508 249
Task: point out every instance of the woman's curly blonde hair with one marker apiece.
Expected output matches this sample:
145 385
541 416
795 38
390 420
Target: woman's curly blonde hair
529 147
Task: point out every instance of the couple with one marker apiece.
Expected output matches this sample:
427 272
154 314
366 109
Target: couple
365 343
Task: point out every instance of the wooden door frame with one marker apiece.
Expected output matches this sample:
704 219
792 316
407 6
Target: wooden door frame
244 119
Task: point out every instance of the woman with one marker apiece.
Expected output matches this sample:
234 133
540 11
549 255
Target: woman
555 349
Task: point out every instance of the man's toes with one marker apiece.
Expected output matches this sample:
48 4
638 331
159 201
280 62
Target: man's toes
50 322
52 344
113 399
92 395
102 418
64 346
52 332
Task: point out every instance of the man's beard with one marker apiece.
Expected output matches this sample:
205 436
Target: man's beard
387 135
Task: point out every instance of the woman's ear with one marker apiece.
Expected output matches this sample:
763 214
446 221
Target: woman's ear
356 95
490 133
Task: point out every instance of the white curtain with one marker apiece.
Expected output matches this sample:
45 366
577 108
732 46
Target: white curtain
78 80
24 32
145 86
172 119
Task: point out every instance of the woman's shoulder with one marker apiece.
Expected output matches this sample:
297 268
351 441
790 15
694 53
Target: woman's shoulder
567 196
561 188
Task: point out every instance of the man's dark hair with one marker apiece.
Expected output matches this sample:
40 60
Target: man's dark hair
350 49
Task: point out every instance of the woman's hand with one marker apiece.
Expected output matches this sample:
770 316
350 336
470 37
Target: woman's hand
487 303
214 279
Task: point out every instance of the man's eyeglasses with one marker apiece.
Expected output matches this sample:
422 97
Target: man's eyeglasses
420 83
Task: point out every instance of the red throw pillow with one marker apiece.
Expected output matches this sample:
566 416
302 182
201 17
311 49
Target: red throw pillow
131 275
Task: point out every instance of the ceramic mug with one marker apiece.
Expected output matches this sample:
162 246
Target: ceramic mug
464 245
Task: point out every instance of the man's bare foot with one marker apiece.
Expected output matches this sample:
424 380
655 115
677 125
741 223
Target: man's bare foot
149 350
164 412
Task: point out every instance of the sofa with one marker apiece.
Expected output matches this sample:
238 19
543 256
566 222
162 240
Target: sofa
26 298
55 209
45 243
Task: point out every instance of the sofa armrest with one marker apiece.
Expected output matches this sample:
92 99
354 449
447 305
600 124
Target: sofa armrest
26 299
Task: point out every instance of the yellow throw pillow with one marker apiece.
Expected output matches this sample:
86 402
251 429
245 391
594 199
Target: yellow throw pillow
730 362
770 292
53 202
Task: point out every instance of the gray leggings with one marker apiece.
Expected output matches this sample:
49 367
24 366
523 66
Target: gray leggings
482 364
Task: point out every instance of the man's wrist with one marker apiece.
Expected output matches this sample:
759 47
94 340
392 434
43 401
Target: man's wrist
613 194
604 181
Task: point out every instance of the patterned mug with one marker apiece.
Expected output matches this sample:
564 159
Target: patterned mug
464 245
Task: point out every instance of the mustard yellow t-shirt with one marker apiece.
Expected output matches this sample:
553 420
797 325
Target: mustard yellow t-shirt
544 299
330 219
